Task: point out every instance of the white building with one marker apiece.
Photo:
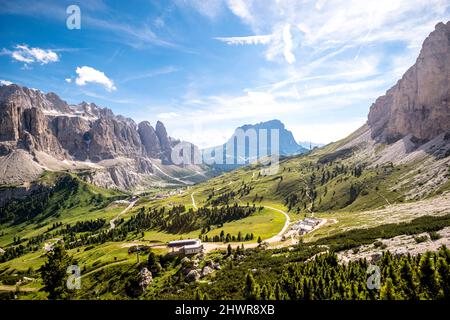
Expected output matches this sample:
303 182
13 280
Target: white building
186 247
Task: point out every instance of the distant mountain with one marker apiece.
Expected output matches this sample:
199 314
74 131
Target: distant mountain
41 131
287 144
310 145
232 159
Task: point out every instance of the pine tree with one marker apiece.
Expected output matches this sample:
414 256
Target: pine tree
252 290
408 283
387 291
229 250
428 276
54 273
444 277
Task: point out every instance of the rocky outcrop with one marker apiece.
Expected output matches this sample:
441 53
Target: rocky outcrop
145 278
150 139
164 141
193 275
419 104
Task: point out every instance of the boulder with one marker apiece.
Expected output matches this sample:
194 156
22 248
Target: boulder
145 278
192 276
206 271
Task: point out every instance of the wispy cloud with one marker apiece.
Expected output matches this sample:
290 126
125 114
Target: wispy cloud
136 35
279 43
152 73
262 39
210 8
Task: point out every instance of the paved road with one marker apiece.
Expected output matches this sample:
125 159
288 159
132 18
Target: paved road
279 235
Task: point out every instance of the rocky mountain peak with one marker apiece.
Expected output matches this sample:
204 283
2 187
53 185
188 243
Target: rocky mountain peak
164 140
149 139
271 124
419 104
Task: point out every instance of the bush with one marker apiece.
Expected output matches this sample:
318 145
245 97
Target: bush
377 244
420 239
434 235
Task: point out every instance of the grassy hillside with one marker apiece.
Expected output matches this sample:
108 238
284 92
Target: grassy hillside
358 201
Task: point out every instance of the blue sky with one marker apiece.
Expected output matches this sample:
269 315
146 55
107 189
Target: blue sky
205 67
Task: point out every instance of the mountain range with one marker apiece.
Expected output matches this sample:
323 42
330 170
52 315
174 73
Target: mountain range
42 132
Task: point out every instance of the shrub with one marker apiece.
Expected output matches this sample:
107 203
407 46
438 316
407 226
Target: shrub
420 239
434 235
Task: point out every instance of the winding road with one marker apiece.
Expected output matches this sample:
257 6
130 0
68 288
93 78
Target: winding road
276 238
279 235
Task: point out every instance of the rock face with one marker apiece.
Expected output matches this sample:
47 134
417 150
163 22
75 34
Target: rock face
164 141
49 130
419 104
150 139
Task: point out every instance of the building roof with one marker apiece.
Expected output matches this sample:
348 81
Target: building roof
184 243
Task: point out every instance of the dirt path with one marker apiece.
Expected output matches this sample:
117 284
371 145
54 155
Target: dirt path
383 197
112 221
193 200
13 288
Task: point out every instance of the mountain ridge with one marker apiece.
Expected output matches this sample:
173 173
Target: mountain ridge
45 132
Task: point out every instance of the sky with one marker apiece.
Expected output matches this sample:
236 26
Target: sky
205 67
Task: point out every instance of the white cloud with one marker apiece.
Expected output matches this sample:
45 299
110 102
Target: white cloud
288 45
5 82
68 80
90 75
240 9
262 39
25 54
280 42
